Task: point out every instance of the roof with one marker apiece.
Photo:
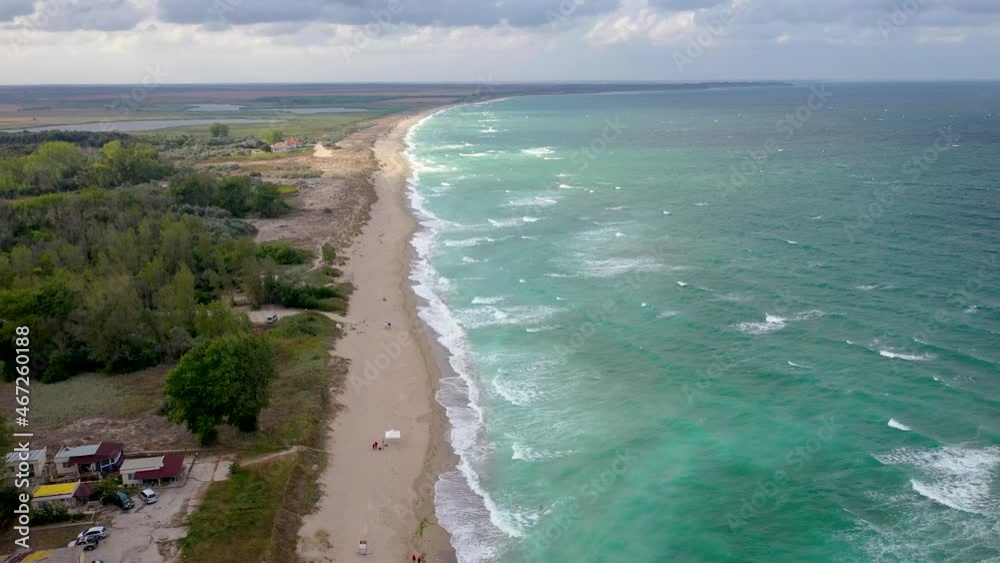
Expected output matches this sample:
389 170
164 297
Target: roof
142 464
60 489
61 555
33 455
78 451
85 490
105 450
172 466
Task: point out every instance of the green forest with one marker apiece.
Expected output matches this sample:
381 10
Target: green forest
118 260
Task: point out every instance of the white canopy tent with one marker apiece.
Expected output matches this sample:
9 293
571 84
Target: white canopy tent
392 434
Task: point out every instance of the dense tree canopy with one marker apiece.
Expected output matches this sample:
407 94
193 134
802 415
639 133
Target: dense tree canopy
222 380
59 166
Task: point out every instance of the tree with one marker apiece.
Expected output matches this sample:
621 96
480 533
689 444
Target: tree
196 189
120 165
107 488
216 319
273 136
219 130
267 201
234 194
222 380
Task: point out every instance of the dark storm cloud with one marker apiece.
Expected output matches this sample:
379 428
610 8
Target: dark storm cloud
445 13
9 9
70 15
856 12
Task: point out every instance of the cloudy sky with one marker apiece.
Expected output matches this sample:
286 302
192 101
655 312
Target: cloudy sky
118 41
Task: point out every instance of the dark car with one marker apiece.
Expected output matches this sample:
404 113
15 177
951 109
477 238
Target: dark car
123 501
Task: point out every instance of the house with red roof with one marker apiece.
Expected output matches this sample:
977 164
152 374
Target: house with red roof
90 460
152 470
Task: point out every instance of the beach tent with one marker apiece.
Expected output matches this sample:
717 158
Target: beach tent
392 434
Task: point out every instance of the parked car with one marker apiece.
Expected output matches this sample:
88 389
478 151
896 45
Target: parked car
88 543
148 496
271 319
123 501
97 531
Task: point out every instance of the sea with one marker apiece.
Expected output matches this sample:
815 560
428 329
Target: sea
738 324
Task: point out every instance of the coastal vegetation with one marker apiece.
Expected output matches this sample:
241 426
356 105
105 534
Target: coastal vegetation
255 514
115 271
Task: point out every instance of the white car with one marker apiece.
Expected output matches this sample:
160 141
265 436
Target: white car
148 496
97 531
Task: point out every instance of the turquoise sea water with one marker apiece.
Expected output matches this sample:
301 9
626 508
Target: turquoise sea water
718 325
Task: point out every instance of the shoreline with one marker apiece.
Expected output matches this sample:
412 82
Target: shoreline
384 497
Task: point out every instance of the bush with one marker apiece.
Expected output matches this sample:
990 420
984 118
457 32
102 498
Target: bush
284 254
301 296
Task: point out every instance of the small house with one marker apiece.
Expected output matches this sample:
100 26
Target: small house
29 463
152 470
281 146
92 459
60 493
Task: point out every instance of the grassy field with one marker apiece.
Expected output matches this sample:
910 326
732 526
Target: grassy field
255 514
314 126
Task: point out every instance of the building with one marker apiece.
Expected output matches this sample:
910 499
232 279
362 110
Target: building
91 460
35 461
60 493
152 470
287 145
60 555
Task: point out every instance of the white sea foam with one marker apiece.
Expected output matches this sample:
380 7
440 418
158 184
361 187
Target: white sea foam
528 219
529 454
611 267
534 201
475 241
959 477
666 314
486 300
488 315
682 284
566 187
893 423
504 223
773 323
908 357
795 365
538 151
478 527
469 260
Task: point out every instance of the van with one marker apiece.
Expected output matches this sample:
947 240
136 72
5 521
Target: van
123 501
148 496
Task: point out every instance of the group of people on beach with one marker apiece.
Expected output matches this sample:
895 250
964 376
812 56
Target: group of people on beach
416 558
378 446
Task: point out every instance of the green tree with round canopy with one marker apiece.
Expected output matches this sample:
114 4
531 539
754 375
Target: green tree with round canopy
225 380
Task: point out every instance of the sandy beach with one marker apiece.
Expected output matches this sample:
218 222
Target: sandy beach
384 497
